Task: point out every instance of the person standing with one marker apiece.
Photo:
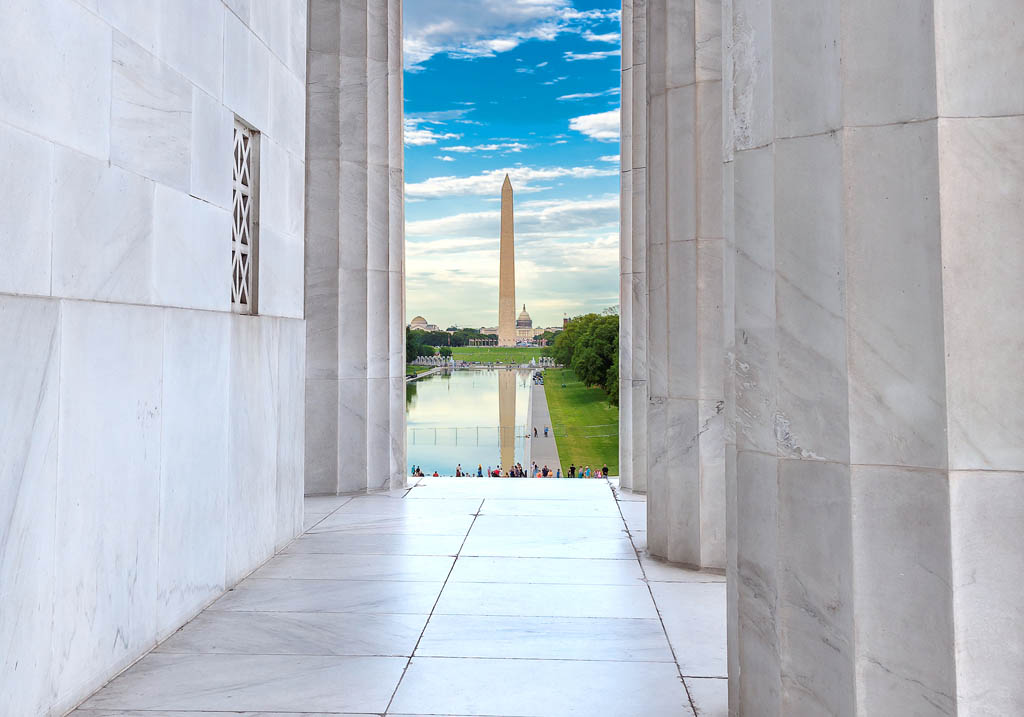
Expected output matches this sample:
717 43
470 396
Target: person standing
604 470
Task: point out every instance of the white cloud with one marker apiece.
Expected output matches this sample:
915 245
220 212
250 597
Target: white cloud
444 158
600 55
489 183
611 37
603 126
483 28
535 220
420 130
589 95
609 158
440 115
499 147
557 79
418 137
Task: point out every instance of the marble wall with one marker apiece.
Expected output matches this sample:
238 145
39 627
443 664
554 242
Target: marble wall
355 244
870 196
151 441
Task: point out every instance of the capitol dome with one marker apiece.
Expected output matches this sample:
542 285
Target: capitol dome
418 321
524 321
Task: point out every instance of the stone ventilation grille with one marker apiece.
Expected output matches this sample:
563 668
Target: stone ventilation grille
243 227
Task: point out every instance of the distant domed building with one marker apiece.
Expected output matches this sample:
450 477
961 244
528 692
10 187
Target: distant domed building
524 326
418 323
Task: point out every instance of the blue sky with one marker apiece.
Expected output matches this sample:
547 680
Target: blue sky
528 87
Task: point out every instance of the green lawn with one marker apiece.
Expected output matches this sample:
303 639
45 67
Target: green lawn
586 425
493 354
411 370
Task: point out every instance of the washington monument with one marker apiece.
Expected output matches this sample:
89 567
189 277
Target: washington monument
507 271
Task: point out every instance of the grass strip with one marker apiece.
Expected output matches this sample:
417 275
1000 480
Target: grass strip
586 424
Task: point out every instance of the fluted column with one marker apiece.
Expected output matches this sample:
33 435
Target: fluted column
633 249
981 188
684 259
626 471
396 246
729 356
879 489
355 240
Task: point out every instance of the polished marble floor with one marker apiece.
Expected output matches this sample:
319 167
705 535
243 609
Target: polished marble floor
478 597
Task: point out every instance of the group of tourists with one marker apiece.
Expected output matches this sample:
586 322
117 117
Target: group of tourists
584 471
517 471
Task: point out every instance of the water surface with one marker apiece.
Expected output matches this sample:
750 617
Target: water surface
473 417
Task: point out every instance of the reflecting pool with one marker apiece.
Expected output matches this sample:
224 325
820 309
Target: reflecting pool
476 417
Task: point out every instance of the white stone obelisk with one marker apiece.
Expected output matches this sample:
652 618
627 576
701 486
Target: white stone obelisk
507 270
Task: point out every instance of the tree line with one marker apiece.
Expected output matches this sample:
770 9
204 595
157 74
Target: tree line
589 345
458 337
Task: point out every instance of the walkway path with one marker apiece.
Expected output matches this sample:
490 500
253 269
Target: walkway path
543 451
516 598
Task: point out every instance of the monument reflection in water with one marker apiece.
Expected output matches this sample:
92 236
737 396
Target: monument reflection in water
472 417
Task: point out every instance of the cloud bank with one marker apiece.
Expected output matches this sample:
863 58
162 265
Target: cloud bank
483 28
603 126
489 183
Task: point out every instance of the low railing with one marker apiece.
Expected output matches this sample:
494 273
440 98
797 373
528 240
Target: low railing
477 435
462 435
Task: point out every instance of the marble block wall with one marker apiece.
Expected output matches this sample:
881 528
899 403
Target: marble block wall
355 244
151 441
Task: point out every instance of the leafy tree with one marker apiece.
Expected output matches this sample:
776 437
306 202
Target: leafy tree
414 346
462 337
590 347
446 352
611 383
435 338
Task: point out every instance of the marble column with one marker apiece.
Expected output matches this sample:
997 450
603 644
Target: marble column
981 196
877 183
355 295
626 253
684 269
633 251
729 354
